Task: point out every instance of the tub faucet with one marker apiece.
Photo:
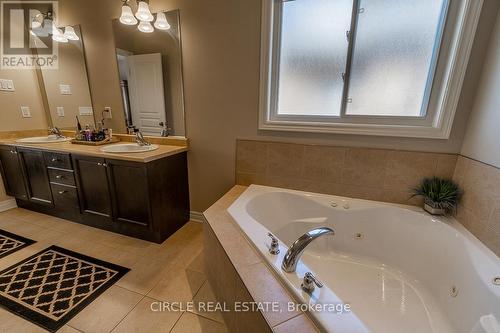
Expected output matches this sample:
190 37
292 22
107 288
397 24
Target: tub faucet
295 251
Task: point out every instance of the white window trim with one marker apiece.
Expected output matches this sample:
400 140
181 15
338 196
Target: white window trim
449 94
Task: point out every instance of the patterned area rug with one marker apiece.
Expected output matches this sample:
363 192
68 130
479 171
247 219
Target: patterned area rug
10 243
52 286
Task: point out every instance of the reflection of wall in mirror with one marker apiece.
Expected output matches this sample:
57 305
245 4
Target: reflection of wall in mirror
73 73
165 42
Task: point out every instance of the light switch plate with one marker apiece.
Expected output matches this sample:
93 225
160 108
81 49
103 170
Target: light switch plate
65 89
85 111
60 111
25 111
7 85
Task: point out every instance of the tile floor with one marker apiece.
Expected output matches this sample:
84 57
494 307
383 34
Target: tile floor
168 272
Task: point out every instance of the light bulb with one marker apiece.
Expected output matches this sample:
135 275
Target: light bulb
146 27
58 35
69 33
127 16
143 13
161 21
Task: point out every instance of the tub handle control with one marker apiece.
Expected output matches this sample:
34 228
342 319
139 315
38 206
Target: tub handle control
309 282
274 249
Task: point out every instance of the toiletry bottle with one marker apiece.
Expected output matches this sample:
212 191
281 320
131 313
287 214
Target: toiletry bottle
88 133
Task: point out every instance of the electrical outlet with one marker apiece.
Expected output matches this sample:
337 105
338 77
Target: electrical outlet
25 111
7 85
107 113
60 111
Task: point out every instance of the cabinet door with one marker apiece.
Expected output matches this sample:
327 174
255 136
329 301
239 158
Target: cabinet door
12 173
36 176
92 184
129 190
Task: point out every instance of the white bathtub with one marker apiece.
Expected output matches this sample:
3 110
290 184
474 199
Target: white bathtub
401 270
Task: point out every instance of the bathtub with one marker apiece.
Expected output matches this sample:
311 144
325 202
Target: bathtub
388 268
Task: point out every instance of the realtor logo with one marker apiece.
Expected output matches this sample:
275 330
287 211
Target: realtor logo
25 34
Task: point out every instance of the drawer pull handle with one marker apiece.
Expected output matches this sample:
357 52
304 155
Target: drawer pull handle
62 192
59 177
55 159
102 164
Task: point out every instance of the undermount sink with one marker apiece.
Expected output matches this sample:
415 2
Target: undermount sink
128 148
43 139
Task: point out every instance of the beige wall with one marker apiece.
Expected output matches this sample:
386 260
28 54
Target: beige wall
482 139
27 93
221 44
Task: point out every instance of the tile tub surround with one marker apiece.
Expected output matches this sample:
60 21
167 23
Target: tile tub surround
238 273
365 173
479 211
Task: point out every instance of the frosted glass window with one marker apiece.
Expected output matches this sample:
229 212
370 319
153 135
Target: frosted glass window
395 48
312 58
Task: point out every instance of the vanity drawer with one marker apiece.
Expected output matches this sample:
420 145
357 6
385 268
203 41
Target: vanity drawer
57 160
62 177
65 197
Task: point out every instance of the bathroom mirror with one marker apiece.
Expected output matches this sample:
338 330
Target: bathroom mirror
150 69
67 88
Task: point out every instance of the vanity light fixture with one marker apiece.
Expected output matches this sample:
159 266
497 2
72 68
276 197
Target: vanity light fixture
143 13
69 33
144 16
127 16
161 22
145 26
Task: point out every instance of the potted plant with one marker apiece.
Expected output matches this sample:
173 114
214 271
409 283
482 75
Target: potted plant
441 196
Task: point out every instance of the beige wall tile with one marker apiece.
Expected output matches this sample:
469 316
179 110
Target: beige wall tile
322 163
479 210
251 156
247 179
406 169
446 166
284 159
365 167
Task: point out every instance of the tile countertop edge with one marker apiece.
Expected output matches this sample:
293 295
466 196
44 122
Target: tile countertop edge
67 147
243 256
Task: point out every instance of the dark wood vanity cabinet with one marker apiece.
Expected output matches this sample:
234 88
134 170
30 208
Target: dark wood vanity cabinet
35 175
12 174
144 200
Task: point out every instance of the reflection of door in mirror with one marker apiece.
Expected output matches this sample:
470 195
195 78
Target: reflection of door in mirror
141 78
67 87
150 67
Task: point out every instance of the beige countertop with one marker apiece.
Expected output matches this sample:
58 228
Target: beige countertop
67 147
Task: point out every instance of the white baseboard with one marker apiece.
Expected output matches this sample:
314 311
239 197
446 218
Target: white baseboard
197 217
7 204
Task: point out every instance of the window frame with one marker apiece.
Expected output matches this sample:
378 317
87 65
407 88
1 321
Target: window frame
445 89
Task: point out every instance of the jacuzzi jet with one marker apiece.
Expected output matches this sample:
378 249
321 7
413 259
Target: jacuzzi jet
496 280
358 236
454 291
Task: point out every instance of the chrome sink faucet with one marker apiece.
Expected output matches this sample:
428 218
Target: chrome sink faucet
56 131
295 251
139 138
